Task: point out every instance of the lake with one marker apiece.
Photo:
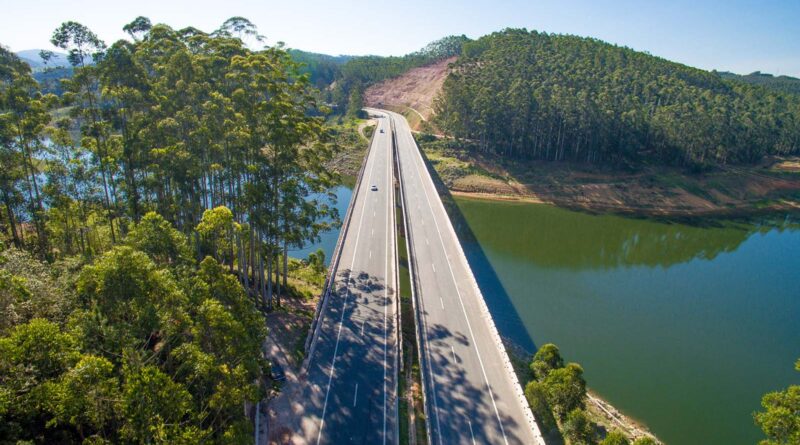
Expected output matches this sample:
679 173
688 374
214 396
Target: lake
327 241
679 326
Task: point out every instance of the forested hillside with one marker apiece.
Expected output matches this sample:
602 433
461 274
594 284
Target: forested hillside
145 217
537 96
322 68
784 84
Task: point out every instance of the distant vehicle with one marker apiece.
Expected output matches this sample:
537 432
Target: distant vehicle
374 188
276 372
381 130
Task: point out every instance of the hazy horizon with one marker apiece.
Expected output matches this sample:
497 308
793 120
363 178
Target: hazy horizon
738 36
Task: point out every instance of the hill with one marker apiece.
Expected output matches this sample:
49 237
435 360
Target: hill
415 89
32 58
783 84
322 68
531 95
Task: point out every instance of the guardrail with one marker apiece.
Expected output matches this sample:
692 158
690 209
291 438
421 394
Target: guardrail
412 266
311 339
399 363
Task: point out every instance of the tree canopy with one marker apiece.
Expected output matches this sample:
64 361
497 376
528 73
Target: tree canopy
534 95
143 213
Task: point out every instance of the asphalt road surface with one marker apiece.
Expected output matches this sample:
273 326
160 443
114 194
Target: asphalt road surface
471 396
350 389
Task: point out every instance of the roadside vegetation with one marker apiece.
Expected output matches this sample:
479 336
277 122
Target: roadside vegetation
556 393
780 419
145 218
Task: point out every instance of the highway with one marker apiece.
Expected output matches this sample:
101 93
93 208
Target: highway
349 390
471 397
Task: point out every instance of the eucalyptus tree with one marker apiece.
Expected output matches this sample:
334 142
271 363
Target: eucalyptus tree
84 93
24 117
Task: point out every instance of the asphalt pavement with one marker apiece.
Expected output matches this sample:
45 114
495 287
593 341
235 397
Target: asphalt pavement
349 393
472 395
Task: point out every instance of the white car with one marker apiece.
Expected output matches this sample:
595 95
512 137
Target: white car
374 188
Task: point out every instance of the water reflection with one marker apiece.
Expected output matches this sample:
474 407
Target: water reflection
556 238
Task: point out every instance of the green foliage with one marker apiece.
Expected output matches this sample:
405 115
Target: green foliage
156 237
555 97
566 389
29 290
784 84
153 353
644 441
780 419
217 228
163 149
317 260
546 359
615 438
536 394
578 428
156 409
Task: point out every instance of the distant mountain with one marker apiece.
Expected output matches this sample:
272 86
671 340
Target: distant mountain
31 57
785 84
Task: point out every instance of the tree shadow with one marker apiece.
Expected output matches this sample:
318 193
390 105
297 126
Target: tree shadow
508 322
465 411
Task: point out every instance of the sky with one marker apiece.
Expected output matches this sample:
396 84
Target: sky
741 36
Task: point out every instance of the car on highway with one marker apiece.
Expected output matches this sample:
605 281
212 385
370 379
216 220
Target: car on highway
381 130
276 372
374 188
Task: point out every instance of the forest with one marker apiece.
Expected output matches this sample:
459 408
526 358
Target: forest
146 214
531 95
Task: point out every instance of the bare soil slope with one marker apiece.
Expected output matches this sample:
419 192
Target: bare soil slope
415 89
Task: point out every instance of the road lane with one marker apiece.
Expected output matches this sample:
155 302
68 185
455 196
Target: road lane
472 396
349 393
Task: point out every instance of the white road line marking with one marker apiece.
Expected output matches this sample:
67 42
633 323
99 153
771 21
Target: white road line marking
372 233
433 267
344 309
426 242
461 300
454 354
470 432
355 396
370 254
441 302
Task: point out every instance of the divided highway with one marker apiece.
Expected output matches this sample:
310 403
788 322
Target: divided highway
472 396
349 394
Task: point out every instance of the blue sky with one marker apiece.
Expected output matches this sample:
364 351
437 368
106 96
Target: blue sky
736 35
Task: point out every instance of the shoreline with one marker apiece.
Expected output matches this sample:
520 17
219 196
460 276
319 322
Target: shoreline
656 192
784 206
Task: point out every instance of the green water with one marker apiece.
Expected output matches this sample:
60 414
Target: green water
679 326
